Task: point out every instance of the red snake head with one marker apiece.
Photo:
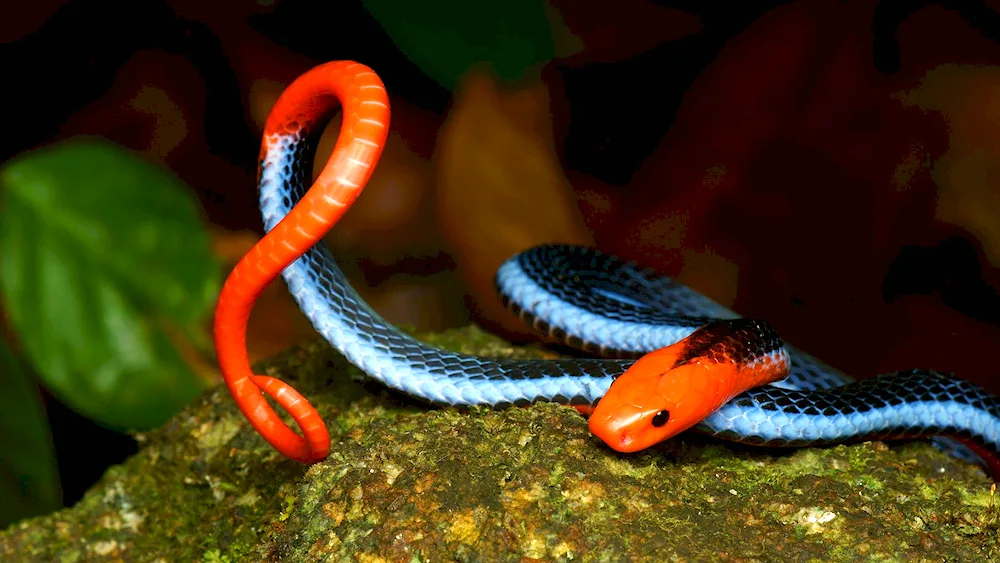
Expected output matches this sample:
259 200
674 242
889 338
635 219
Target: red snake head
656 399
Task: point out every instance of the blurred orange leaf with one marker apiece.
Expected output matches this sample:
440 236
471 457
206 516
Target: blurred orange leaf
500 187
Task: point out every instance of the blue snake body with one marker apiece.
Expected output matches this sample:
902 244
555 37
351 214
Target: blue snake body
602 305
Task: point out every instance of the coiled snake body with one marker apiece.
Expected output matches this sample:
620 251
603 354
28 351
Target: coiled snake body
701 365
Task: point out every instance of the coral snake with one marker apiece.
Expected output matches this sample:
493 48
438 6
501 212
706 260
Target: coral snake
699 365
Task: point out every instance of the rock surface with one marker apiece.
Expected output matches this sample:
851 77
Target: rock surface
407 482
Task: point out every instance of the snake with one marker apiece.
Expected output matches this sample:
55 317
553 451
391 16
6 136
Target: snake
656 357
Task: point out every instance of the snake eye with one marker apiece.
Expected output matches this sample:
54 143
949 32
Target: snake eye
661 418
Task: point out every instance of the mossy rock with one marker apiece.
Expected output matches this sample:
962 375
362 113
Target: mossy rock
407 482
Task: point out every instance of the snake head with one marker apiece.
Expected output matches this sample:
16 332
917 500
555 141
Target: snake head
655 399
671 389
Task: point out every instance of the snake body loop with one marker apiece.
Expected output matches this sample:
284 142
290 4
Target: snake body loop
573 295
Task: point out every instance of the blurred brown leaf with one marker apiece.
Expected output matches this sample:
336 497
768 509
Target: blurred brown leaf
965 95
500 189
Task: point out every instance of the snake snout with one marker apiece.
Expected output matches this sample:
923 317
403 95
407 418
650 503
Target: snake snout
615 430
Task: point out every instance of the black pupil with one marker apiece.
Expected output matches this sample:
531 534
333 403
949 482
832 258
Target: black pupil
661 418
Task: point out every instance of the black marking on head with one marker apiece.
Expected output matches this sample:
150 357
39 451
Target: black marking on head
739 340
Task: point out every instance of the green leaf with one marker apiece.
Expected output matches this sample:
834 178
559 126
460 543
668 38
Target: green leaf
102 256
445 37
29 482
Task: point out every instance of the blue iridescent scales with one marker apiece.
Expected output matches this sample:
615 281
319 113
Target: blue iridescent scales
600 304
576 296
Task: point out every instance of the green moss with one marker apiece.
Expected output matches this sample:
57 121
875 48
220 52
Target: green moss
407 482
